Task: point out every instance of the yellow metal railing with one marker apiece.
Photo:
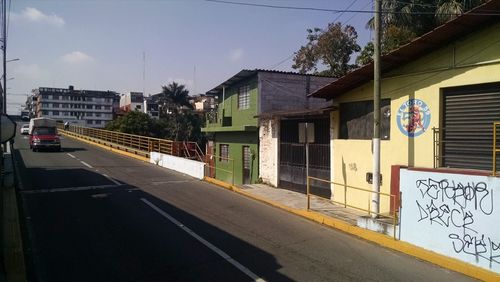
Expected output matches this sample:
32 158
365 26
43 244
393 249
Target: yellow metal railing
436 133
211 170
130 141
392 198
496 149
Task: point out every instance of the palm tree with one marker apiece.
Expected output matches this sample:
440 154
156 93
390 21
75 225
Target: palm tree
419 16
450 9
175 96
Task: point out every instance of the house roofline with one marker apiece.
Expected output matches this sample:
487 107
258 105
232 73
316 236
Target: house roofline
442 35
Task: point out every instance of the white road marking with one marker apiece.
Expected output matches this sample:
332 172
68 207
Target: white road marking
71 155
69 189
111 179
171 181
218 251
86 164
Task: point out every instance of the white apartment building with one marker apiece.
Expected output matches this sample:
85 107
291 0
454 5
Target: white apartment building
88 108
132 101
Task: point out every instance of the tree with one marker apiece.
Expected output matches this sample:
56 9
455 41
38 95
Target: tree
174 97
332 48
134 122
404 20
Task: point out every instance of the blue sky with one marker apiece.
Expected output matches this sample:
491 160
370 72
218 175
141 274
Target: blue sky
94 44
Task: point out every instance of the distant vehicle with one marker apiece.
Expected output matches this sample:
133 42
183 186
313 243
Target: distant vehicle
43 134
25 115
25 129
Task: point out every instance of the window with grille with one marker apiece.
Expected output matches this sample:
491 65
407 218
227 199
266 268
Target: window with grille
244 97
224 153
356 120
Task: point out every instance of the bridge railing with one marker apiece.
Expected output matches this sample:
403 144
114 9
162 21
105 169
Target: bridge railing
140 145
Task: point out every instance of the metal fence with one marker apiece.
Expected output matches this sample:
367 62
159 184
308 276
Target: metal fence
141 145
348 188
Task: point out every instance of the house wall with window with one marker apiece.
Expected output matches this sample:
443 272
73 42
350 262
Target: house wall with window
230 161
234 132
471 62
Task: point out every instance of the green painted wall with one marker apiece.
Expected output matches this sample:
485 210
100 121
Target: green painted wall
230 105
233 135
236 141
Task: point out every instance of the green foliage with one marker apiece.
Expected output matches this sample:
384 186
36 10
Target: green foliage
134 122
332 48
403 20
174 97
396 36
177 119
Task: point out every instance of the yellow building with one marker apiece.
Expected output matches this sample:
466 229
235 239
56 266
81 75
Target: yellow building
448 79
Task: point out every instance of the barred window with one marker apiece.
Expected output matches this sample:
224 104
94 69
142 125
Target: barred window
244 97
224 153
55 113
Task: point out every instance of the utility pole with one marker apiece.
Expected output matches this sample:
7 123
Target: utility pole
4 50
375 205
3 110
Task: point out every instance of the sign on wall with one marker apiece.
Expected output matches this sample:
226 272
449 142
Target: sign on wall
452 214
413 117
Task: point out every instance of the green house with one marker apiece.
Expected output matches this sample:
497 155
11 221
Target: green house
243 101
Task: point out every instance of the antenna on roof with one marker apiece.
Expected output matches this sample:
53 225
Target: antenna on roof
143 72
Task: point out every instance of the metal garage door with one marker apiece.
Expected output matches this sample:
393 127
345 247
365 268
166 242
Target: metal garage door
469 113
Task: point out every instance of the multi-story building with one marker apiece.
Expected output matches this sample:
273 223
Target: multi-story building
89 108
132 101
254 131
151 106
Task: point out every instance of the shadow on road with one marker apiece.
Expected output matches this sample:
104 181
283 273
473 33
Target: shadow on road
108 233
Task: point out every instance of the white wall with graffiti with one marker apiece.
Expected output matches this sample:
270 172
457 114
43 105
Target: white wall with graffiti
455 215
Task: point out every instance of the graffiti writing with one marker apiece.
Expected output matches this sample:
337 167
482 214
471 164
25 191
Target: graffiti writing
456 206
480 246
461 194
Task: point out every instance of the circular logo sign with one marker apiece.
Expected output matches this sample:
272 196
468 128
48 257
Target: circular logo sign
413 117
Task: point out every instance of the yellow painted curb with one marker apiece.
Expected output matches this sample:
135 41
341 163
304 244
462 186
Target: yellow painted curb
378 238
114 150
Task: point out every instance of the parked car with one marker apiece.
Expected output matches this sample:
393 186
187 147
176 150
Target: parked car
25 129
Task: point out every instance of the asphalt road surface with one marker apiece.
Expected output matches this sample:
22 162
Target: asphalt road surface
91 215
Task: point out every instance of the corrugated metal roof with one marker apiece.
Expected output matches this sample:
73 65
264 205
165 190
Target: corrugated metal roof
489 13
245 73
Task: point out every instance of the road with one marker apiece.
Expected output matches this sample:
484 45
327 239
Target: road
91 215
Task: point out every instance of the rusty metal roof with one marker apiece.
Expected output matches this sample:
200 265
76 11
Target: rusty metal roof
246 73
477 18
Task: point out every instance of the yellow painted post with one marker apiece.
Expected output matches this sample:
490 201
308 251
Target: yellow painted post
308 194
233 173
345 195
394 215
494 149
369 205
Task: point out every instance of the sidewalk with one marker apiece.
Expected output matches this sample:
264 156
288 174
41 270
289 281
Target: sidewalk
12 248
298 201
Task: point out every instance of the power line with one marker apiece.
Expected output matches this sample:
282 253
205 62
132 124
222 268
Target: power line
340 15
489 13
281 62
293 54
